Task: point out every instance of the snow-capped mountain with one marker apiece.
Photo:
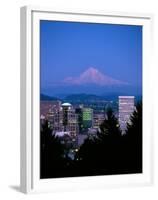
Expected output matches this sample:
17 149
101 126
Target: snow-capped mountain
93 76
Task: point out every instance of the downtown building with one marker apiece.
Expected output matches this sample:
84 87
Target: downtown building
85 123
49 110
54 116
98 119
84 119
69 119
63 121
126 108
47 106
87 117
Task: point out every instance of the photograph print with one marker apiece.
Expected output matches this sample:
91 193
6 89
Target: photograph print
90 99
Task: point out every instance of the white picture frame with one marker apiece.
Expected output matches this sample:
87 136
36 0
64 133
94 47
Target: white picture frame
30 92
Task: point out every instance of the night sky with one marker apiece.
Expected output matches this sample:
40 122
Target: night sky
67 49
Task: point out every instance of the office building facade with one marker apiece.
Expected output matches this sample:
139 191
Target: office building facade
87 116
126 108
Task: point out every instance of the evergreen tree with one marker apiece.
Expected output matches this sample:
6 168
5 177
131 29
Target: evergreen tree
107 153
110 143
134 140
52 152
110 126
100 155
134 127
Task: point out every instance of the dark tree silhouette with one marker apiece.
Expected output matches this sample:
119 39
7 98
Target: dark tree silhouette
134 140
100 155
109 152
113 153
110 126
52 153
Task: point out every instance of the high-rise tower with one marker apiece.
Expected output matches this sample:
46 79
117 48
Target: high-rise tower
126 108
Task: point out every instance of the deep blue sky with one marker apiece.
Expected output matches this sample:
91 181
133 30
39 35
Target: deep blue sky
69 48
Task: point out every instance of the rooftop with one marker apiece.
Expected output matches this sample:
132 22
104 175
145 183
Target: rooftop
66 104
126 97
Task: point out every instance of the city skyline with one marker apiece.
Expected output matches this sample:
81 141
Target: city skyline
69 49
90 99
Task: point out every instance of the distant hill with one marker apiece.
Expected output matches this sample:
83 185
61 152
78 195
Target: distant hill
83 98
44 97
113 96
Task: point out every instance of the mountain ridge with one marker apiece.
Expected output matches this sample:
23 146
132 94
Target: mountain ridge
44 97
85 97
